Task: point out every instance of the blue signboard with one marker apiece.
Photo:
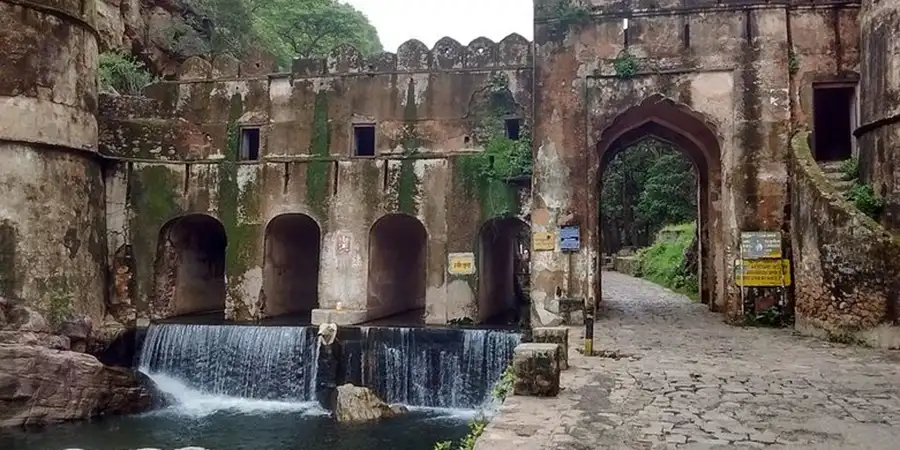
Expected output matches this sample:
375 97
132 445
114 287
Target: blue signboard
569 239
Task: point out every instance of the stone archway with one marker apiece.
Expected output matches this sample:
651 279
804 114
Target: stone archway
291 265
397 266
190 267
503 243
689 132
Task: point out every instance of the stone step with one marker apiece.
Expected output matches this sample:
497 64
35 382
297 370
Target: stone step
842 185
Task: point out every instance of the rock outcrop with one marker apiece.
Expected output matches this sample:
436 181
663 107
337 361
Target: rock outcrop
356 404
42 381
39 385
161 33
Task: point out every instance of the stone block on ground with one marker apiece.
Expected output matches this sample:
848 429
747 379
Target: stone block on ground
554 335
536 367
354 404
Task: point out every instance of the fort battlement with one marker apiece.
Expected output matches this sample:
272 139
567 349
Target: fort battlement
413 56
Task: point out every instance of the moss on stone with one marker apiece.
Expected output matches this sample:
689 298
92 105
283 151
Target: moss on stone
405 188
317 170
371 189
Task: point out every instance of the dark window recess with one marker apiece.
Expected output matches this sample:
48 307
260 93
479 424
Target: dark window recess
748 26
513 129
832 122
249 144
686 35
364 140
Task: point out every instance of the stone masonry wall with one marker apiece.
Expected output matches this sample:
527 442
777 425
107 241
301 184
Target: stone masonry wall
51 211
847 287
176 146
879 132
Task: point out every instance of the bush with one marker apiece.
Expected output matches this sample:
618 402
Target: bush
663 262
121 73
850 169
866 200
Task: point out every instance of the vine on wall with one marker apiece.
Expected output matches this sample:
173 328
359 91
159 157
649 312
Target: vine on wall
625 65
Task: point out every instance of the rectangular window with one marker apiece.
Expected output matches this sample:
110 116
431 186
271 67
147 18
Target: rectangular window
249 144
513 129
364 140
834 114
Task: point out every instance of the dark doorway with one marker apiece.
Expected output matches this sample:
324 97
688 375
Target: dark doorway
291 270
503 255
249 144
397 264
833 121
190 266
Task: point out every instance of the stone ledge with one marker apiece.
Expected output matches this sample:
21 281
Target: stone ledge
536 367
340 317
38 122
555 335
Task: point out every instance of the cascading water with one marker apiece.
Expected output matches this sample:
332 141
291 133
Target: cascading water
264 363
447 368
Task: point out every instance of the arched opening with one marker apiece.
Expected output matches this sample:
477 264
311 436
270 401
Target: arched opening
291 267
676 126
397 264
190 267
503 272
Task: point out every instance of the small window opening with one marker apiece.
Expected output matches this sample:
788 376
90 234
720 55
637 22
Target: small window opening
364 140
833 117
513 129
625 33
467 140
249 144
748 26
686 35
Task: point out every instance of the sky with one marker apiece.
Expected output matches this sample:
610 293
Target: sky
429 20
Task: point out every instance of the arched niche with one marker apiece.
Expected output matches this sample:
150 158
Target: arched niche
397 265
291 265
503 246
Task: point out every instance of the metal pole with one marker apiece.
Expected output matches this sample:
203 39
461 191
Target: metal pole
589 334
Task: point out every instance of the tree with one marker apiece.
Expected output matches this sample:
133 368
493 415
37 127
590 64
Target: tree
645 187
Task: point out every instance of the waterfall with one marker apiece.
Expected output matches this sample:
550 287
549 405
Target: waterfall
265 363
445 368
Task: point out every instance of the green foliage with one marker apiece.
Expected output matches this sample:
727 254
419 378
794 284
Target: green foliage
663 262
866 200
504 385
490 170
59 306
850 169
625 64
123 74
769 317
571 12
287 28
793 62
646 187
461 322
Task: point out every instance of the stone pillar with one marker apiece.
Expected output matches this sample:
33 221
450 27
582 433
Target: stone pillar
879 100
52 218
536 368
555 335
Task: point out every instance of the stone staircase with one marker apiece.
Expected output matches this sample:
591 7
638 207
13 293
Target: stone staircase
832 170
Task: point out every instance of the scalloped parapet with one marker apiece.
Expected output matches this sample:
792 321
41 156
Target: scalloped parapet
514 51
197 68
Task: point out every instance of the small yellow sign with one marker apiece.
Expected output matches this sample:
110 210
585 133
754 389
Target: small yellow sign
543 241
461 263
763 273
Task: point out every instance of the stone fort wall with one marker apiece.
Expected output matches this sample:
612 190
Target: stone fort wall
173 153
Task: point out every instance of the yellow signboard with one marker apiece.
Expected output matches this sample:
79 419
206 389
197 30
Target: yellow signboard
543 241
461 263
763 273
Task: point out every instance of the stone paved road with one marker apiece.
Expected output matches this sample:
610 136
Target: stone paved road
694 382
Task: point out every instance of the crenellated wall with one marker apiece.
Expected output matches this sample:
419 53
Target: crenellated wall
176 154
51 208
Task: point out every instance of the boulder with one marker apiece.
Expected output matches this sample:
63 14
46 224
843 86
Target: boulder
555 335
359 404
39 385
78 331
536 367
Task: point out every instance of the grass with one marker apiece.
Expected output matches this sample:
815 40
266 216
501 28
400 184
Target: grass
663 262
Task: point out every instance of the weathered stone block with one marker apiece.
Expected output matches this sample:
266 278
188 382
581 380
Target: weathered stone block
536 367
555 335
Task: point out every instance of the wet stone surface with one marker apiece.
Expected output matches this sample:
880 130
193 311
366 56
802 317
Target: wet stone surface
687 380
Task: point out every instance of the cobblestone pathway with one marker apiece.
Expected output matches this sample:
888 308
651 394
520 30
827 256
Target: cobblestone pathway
688 380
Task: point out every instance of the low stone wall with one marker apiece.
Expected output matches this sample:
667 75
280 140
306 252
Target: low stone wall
626 264
846 266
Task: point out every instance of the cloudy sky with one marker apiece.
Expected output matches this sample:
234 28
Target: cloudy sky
430 20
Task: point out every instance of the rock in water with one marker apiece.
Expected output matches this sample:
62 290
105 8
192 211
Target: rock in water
39 386
359 404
